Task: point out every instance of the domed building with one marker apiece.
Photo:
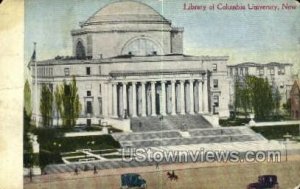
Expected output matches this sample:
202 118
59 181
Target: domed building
127 28
128 62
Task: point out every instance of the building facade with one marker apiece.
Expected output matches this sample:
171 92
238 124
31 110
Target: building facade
279 76
128 62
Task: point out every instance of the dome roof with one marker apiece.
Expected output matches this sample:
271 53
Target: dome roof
125 11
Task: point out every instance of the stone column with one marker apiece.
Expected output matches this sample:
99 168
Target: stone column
205 96
124 98
200 98
173 98
163 98
182 107
134 99
192 111
115 99
153 98
143 99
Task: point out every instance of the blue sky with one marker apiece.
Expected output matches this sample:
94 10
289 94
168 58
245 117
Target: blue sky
260 36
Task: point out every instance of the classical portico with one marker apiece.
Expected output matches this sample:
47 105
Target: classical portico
159 93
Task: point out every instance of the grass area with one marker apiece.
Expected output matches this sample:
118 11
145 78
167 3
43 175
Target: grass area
99 152
233 122
277 132
115 156
77 159
71 154
52 144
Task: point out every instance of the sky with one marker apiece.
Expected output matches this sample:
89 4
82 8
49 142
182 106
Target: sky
245 35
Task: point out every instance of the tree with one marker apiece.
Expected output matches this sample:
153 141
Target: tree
58 101
255 94
287 106
276 99
46 105
27 98
67 102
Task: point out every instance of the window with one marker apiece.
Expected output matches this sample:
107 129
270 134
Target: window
100 106
281 71
88 70
67 71
100 89
246 71
215 83
88 122
215 68
272 71
260 71
231 71
80 50
88 93
241 71
216 101
89 108
142 47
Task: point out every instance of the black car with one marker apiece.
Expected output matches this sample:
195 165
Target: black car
265 182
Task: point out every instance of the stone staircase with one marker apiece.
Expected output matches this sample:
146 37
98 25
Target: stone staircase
168 123
190 136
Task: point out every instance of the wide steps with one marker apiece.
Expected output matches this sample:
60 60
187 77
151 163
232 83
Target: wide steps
191 140
159 123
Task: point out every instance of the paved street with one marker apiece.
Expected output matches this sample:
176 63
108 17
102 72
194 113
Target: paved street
191 175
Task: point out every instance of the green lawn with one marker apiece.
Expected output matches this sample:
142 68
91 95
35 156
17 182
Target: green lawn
52 144
277 132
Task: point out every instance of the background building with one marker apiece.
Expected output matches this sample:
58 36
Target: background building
279 76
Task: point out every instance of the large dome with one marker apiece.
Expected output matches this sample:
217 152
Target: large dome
125 11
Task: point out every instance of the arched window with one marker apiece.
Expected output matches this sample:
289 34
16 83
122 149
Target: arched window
80 51
142 47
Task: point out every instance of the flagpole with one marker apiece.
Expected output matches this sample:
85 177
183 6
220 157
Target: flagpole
36 89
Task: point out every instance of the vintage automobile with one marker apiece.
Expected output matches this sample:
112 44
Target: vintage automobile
132 181
265 182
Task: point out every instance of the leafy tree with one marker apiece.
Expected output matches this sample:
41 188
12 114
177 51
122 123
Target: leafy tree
287 106
255 94
58 93
46 105
276 99
262 98
27 98
67 102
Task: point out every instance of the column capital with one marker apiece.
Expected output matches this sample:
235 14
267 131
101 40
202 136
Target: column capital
191 80
153 82
124 82
182 81
133 82
163 81
173 81
143 82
